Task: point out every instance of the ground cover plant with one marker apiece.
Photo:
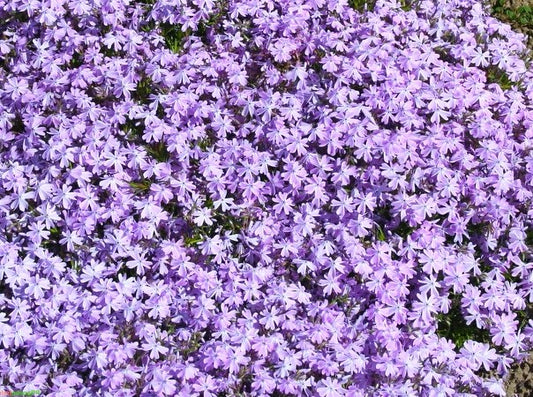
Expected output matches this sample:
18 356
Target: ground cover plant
267 198
519 14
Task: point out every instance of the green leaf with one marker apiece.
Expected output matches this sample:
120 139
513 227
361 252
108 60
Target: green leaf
362 5
498 76
174 36
380 234
141 186
158 151
143 90
193 240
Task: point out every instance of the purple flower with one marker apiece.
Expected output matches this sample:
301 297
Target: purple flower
261 197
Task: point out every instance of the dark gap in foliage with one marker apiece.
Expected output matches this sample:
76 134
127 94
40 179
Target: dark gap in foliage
470 142
192 345
172 208
453 326
99 230
64 360
18 16
523 316
497 76
444 55
7 292
128 272
279 394
403 230
529 237
18 125
174 36
76 61
407 5
97 95
134 130
245 384
148 26
143 90
53 245
111 53
479 229
158 151
362 5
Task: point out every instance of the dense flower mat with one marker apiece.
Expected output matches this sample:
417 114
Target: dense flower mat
263 198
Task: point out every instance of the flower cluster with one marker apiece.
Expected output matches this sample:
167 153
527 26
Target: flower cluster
263 197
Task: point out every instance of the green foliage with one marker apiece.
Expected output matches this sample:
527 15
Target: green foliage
444 53
140 186
174 36
205 144
518 17
523 316
362 5
379 233
193 240
407 5
524 16
76 61
214 19
53 245
110 52
143 90
453 326
403 230
498 76
134 130
479 229
148 26
173 209
64 360
74 265
341 300
158 151
19 16
192 345
55 233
